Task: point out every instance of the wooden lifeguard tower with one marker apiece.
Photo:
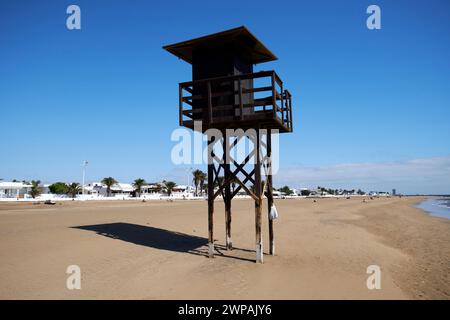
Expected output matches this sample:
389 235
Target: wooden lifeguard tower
226 94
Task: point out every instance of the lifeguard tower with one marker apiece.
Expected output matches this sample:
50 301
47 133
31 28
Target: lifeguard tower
225 93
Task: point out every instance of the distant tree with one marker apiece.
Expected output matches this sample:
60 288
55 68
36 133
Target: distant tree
169 187
219 181
360 192
322 189
198 178
137 184
109 182
305 192
204 176
286 190
58 188
253 189
157 187
35 189
73 189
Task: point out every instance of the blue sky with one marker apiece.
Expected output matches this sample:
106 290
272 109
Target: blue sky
372 100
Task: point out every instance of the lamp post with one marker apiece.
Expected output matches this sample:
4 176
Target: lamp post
85 163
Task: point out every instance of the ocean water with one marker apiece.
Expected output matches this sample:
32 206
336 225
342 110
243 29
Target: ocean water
438 207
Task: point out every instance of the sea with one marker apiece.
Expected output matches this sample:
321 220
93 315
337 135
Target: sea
438 207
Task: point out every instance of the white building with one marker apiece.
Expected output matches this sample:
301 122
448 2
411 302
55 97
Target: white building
183 191
278 194
152 188
99 189
122 189
159 189
16 190
95 189
379 194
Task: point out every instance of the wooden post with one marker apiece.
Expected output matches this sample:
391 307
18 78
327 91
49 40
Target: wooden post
210 197
227 193
209 98
258 202
270 192
274 96
281 96
180 102
241 106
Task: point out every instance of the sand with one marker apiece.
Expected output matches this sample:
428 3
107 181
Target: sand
157 250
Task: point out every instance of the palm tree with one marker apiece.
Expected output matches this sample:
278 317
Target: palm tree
196 179
253 188
73 189
109 182
158 187
199 178
220 180
137 184
35 189
203 177
169 186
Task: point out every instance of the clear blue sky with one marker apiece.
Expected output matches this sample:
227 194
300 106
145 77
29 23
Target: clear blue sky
108 92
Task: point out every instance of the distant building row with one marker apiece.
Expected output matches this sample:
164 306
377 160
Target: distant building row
20 190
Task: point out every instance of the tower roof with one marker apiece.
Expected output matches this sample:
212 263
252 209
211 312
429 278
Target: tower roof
240 40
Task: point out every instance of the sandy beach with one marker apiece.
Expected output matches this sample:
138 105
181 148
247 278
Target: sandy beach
157 250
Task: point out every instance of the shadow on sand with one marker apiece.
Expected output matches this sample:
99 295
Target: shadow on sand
157 238
148 236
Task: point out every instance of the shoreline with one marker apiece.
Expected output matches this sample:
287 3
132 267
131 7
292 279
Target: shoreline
426 274
433 206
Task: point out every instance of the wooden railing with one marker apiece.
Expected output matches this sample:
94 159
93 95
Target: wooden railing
236 101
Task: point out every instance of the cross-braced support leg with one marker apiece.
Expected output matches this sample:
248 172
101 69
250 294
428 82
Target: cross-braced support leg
270 192
227 194
210 198
231 176
258 201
